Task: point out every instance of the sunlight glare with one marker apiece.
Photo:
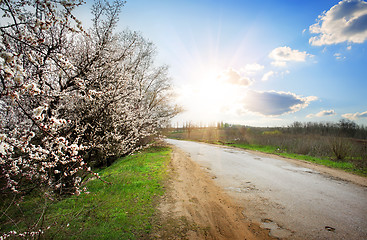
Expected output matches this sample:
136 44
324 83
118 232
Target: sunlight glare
209 95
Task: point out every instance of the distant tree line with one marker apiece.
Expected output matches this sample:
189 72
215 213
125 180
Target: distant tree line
343 128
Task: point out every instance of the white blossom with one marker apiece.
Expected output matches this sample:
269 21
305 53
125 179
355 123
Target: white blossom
8 57
37 112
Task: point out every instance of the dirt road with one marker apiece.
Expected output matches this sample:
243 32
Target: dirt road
293 199
195 208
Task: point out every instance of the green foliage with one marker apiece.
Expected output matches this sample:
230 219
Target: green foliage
122 209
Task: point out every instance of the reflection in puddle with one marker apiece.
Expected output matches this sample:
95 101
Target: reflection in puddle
275 229
299 169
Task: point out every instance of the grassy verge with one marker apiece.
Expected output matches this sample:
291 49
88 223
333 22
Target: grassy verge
120 210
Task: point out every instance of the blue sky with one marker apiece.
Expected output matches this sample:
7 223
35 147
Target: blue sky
259 63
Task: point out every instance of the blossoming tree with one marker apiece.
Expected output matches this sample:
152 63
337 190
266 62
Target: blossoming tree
35 149
70 96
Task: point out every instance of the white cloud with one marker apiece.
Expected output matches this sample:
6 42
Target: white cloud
324 113
275 103
233 77
338 56
355 116
279 63
267 75
282 55
344 22
252 68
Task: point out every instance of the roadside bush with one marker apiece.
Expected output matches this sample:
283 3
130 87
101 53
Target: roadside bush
234 134
340 147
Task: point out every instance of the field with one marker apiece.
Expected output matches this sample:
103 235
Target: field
331 149
123 208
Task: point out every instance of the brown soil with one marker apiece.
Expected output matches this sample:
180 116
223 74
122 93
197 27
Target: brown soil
195 208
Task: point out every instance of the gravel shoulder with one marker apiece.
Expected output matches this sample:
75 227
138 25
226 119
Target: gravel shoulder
194 207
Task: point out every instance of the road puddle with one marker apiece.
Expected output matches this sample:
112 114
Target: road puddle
299 169
275 229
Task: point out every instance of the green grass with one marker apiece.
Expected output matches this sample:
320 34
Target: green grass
347 166
120 210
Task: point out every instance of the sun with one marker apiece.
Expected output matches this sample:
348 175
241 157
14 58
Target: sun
207 96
